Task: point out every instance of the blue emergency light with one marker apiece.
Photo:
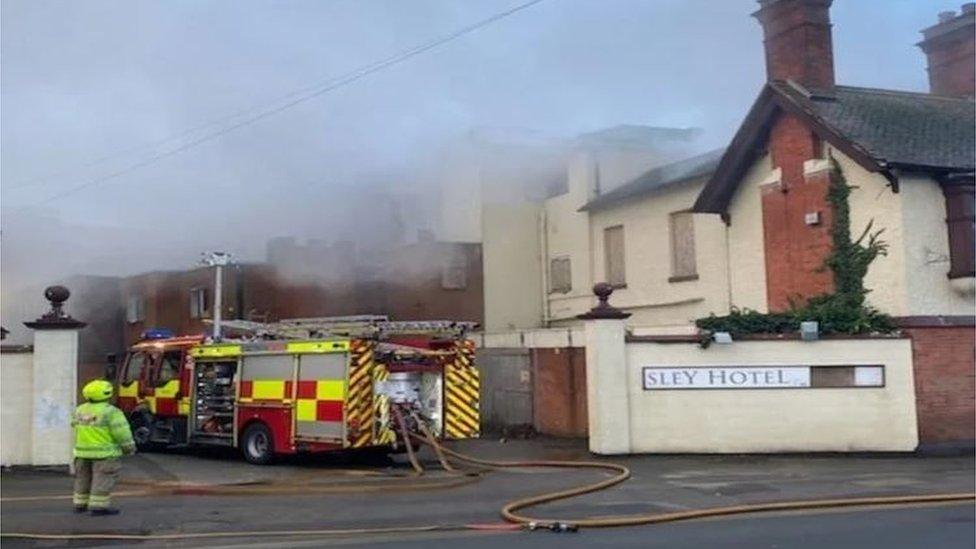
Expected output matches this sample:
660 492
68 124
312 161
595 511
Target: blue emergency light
157 333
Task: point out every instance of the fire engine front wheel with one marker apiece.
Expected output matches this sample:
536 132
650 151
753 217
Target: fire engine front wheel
257 444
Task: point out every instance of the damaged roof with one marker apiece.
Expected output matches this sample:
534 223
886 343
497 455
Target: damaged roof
881 130
657 178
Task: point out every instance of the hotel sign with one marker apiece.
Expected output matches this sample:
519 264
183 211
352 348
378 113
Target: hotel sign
726 377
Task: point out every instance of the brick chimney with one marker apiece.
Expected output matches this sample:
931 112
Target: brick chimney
949 46
798 48
798 42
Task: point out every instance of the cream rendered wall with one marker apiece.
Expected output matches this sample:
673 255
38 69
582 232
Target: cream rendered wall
873 200
746 249
567 234
16 408
512 266
649 296
772 420
926 252
911 279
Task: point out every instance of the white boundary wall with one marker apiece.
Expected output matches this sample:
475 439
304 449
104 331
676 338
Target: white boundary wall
626 418
16 408
37 398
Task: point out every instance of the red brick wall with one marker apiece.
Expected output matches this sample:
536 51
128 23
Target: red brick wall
795 252
951 56
797 41
559 391
945 373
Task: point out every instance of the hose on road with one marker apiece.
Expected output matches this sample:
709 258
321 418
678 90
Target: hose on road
510 511
622 473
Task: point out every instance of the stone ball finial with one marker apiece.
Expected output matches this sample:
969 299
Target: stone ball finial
57 295
603 309
56 318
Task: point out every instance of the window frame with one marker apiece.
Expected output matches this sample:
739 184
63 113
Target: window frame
960 194
553 289
140 309
198 310
676 275
608 261
455 262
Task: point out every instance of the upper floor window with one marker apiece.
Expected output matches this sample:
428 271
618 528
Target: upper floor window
613 252
454 272
682 231
560 275
135 309
199 306
960 195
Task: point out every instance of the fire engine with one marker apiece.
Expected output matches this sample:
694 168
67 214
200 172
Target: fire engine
301 385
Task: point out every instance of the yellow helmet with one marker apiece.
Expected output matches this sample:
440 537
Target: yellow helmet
97 390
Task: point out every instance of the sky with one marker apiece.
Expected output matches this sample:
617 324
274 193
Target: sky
90 88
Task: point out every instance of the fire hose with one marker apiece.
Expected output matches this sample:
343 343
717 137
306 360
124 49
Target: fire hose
510 511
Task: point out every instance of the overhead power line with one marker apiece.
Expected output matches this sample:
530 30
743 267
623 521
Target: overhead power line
297 98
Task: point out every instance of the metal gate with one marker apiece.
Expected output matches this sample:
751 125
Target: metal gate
506 388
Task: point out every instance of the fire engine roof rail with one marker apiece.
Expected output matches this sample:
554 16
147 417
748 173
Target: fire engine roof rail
374 326
323 320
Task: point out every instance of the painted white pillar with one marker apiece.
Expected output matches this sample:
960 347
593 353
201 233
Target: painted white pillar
608 401
53 395
54 383
607 397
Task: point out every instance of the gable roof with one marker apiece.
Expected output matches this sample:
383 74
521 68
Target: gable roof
657 178
881 130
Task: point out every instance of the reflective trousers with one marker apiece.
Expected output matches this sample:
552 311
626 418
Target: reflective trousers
94 480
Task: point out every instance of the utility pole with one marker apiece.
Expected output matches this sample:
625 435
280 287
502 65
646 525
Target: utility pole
217 260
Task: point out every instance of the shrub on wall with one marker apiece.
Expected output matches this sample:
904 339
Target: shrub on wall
845 311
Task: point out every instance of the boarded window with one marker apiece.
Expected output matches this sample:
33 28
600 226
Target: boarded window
560 275
682 230
135 310
613 250
199 308
454 272
961 221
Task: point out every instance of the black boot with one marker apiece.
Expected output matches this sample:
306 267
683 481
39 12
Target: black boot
80 508
104 511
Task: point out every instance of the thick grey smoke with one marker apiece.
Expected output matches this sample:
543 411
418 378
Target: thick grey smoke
82 81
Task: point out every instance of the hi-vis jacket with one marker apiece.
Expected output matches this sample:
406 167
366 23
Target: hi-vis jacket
101 431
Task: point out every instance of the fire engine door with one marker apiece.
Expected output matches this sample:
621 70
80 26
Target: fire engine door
319 411
132 382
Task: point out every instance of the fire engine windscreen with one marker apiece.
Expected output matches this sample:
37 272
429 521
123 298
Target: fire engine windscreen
419 390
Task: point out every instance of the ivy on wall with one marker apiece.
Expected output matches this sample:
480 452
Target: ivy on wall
845 311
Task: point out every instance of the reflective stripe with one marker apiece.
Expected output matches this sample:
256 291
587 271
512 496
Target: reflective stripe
330 389
318 347
79 499
306 410
216 351
268 389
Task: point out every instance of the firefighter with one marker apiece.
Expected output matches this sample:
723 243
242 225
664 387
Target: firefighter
102 436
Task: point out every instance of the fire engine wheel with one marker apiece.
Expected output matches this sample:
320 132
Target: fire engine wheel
257 444
141 423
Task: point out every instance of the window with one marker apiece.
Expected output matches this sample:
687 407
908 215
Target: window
560 276
682 230
134 366
135 309
960 195
198 303
454 272
169 368
613 251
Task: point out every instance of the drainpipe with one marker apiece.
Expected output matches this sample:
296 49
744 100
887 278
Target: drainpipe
544 248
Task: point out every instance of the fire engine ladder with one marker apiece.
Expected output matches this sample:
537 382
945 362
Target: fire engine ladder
373 326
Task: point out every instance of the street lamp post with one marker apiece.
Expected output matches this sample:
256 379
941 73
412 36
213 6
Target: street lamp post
217 260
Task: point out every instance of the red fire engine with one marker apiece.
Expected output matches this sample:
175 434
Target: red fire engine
305 385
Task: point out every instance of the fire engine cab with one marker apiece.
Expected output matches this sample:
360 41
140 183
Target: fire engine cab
303 385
